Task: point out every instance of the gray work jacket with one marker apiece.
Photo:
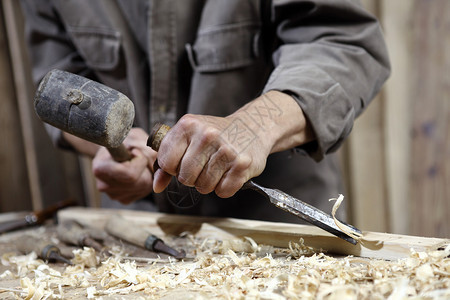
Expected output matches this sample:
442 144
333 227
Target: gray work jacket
213 56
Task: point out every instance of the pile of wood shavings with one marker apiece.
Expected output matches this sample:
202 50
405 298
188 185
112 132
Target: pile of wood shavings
219 271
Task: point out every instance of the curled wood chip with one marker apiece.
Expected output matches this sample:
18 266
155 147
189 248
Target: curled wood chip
85 257
357 236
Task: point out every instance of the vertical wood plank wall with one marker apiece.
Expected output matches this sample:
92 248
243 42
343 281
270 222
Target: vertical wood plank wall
397 159
398 155
430 115
14 185
52 175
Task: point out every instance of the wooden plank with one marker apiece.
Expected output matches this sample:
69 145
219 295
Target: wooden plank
376 245
23 95
396 20
430 102
365 163
13 174
366 171
52 175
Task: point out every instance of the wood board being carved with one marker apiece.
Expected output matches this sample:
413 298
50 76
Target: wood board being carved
374 245
219 265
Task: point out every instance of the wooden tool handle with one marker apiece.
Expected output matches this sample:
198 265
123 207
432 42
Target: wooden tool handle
120 154
125 230
158 133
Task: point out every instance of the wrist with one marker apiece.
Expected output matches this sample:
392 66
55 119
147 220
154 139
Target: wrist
276 119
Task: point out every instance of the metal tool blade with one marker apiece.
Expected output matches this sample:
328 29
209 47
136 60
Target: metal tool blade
303 210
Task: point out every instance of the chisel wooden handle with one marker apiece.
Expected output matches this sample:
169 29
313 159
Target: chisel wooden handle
128 231
43 248
131 232
158 133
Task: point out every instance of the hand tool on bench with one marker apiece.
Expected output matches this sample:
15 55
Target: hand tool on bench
43 248
128 231
87 109
36 217
280 199
73 233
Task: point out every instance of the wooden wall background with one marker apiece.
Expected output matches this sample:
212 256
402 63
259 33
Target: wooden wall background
396 161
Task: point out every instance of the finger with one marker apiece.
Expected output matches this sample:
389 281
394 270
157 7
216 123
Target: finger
126 193
228 186
212 173
194 160
171 151
126 172
235 178
161 180
101 185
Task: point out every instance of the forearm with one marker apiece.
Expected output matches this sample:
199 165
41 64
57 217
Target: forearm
277 120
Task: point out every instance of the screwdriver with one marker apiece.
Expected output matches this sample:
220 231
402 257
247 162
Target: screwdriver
43 248
128 231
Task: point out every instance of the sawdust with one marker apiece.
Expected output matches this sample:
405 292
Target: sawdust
235 269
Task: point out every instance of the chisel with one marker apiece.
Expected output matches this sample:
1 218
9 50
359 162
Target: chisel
35 218
73 233
129 231
44 249
278 198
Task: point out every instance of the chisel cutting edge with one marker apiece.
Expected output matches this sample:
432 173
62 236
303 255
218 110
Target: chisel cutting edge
278 198
303 210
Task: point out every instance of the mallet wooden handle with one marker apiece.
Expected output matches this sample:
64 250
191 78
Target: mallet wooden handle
120 154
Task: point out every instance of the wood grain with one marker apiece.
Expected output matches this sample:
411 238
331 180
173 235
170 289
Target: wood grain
430 102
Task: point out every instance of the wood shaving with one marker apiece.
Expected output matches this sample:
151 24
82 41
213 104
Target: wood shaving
357 236
299 273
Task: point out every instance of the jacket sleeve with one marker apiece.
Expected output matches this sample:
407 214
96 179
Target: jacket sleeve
332 59
49 47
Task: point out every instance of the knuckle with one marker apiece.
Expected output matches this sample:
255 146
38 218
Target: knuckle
187 122
210 136
242 162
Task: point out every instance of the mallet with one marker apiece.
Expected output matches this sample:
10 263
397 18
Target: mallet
86 109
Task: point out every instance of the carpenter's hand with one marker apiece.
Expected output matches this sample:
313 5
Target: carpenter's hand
130 180
221 154
210 153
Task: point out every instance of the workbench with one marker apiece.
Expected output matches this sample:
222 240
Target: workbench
228 259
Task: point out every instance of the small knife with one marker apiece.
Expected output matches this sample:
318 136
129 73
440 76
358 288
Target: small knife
278 198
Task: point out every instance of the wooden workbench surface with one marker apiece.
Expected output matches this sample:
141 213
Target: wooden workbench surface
230 258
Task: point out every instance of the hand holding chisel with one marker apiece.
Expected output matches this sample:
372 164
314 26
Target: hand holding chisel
280 199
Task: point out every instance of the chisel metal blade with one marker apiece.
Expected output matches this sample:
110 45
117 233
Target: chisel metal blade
304 211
